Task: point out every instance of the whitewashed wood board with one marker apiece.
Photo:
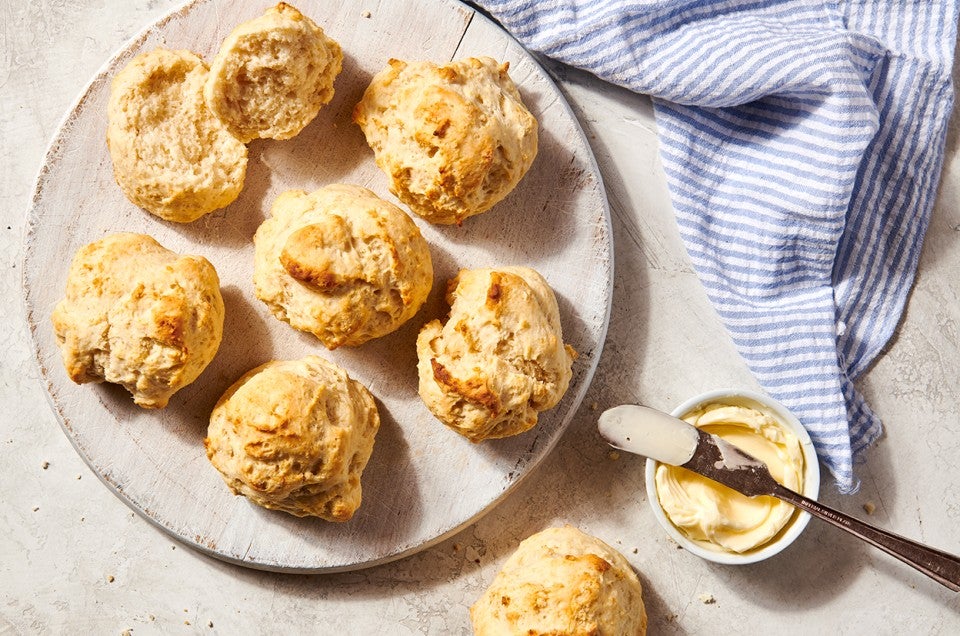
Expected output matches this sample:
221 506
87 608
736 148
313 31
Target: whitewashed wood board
424 482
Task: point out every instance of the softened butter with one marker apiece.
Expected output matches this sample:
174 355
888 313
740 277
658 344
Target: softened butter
718 517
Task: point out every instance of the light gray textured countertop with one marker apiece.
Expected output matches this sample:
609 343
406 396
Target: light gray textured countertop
75 559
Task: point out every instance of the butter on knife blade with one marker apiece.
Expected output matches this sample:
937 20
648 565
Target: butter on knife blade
649 432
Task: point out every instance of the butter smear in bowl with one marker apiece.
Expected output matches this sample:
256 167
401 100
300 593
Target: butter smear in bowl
716 522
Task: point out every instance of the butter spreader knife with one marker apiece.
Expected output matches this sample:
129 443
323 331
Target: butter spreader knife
645 431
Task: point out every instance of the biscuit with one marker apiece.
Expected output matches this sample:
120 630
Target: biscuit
453 139
500 359
139 315
171 155
562 581
295 436
272 75
341 263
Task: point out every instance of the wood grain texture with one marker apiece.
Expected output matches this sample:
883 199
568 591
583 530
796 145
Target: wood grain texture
423 482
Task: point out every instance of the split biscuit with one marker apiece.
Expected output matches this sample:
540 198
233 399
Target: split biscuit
341 263
454 139
171 155
295 436
499 360
272 75
139 315
562 581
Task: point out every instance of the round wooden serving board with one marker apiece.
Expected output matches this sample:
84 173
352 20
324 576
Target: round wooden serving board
424 482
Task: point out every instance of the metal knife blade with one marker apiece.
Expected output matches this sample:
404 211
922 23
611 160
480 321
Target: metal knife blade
723 462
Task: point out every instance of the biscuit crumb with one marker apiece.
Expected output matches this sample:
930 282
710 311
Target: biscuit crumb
707 599
613 455
45 465
593 406
869 507
186 622
456 547
366 14
210 624
634 550
127 632
35 508
152 617
471 554
79 477
110 578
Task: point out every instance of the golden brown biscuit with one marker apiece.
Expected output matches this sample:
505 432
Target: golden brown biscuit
272 75
562 581
453 139
171 155
139 315
500 359
295 436
341 263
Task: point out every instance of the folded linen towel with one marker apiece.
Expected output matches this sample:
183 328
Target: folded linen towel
802 142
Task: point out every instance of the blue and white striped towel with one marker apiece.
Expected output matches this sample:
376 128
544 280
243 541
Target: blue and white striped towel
802 142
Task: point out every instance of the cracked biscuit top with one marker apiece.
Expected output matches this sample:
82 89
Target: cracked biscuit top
562 581
499 360
295 435
139 315
341 263
453 139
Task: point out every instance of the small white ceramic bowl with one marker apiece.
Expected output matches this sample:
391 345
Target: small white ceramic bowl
811 479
